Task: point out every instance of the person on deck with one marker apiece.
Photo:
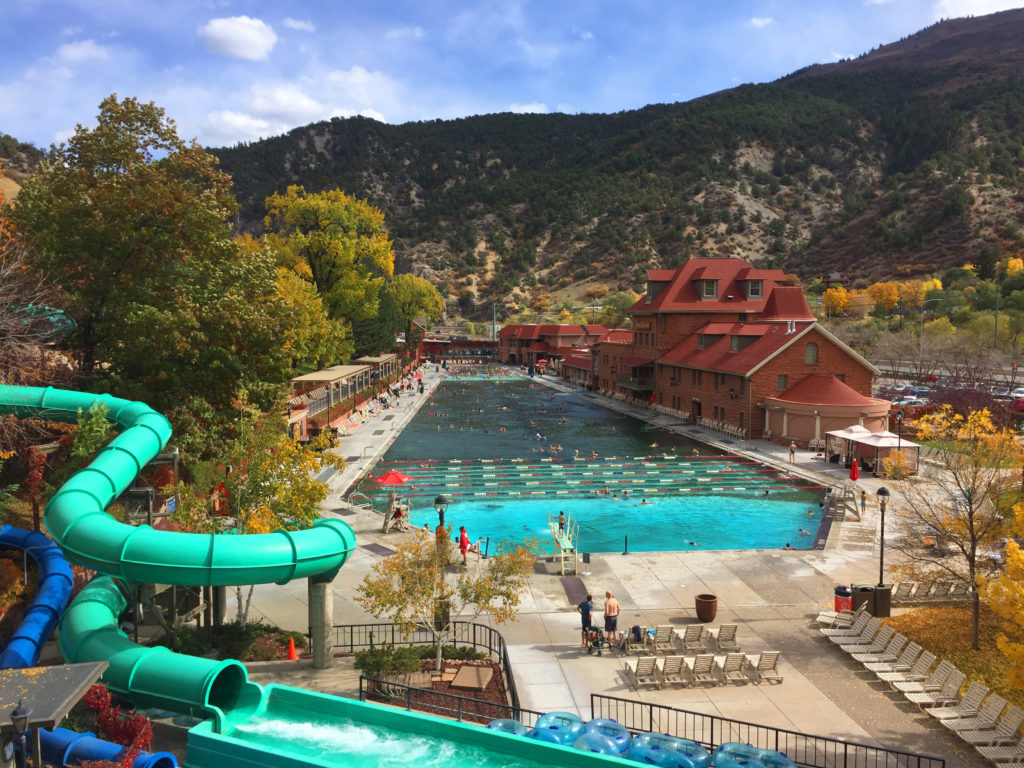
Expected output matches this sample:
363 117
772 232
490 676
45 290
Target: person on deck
585 609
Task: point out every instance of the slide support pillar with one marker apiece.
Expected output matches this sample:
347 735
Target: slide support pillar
321 622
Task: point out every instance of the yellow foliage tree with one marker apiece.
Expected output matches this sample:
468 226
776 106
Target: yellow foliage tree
860 303
1005 595
837 300
959 505
912 293
931 284
542 302
414 586
1013 266
886 294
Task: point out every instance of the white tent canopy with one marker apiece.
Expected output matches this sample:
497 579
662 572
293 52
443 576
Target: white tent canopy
869 448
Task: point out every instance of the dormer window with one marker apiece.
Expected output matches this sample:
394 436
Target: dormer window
754 289
709 289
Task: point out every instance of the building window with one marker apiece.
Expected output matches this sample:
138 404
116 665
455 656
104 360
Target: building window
811 354
741 419
780 383
754 289
710 290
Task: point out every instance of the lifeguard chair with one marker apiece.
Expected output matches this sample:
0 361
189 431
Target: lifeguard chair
566 554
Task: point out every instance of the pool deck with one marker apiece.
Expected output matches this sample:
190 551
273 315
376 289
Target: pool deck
772 595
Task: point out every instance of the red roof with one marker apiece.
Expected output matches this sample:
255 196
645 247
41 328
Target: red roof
617 336
534 331
768 340
660 275
824 390
787 302
682 294
576 360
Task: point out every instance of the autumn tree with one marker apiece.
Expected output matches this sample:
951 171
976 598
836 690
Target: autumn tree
413 296
837 300
886 295
414 587
960 503
339 241
1005 596
614 308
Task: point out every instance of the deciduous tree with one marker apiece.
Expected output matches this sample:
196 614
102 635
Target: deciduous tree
413 296
836 299
1005 595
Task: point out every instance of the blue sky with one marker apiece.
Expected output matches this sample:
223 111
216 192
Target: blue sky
237 70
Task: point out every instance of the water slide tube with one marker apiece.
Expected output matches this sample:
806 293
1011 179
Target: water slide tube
64 747
52 595
75 518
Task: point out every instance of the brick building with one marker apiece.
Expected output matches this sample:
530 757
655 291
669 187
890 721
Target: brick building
528 344
720 342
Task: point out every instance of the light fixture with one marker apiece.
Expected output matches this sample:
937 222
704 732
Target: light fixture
883 497
19 717
441 505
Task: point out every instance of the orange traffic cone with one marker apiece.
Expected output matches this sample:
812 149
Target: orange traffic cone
292 655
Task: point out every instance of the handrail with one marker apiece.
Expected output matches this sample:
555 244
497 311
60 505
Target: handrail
711 730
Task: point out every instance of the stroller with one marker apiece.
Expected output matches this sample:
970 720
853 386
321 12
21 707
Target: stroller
595 640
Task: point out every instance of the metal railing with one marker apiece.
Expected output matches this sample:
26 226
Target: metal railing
710 731
442 703
354 637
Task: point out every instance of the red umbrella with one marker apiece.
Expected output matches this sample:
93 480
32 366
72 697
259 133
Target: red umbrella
854 472
418 376
392 477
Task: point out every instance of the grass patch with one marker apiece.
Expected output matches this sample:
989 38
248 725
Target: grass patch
946 632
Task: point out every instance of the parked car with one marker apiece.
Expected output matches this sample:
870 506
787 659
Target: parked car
922 391
1018 392
910 401
1017 404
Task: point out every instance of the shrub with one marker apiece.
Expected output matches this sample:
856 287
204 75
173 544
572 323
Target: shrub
451 652
387 661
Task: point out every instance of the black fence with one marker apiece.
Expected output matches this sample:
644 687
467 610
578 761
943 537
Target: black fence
355 637
711 730
463 708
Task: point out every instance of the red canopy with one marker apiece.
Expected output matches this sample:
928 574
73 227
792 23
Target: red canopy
392 477
854 472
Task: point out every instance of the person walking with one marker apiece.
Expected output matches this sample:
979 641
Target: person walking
792 452
611 617
463 542
586 608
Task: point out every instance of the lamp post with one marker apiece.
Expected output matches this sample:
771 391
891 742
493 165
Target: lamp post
899 432
920 337
441 505
883 497
19 717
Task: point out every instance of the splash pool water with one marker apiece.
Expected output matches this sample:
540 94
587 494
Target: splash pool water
508 454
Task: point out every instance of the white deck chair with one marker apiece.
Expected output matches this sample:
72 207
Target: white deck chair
919 670
1006 753
987 716
891 652
732 669
875 645
902 664
850 631
724 640
968 706
949 693
644 672
866 635
1004 732
766 668
662 640
692 639
703 669
933 682
675 670
839 619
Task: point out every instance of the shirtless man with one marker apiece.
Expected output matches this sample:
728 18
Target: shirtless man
611 617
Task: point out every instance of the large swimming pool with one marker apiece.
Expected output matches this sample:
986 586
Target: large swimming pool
509 453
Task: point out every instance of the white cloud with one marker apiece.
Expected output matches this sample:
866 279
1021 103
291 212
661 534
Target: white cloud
300 25
82 51
360 88
955 9
534 108
539 54
582 34
70 31
404 33
373 114
761 21
239 36
284 102
227 127
836 56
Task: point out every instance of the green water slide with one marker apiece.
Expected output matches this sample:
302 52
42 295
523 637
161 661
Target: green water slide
77 521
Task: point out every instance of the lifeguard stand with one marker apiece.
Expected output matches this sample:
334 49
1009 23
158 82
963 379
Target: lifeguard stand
566 553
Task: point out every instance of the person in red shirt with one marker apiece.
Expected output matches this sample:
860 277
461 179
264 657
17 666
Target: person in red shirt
463 542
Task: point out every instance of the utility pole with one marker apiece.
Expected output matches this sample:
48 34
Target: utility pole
494 315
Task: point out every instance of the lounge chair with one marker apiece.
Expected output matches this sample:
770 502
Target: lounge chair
866 635
923 590
703 669
850 631
949 693
1006 753
876 645
987 716
891 652
1004 732
631 645
901 592
765 668
940 592
732 668
692 639
968 706
919 670
839 619
724 640
933 682
662 640
644 672
675 670
902 664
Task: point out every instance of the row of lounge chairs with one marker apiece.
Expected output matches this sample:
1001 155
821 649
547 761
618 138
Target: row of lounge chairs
931 592
703 669
721 426
695 638
979 717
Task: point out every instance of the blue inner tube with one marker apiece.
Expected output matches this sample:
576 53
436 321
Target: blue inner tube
557 728
614 731
508 725
733 751
592 741
773 759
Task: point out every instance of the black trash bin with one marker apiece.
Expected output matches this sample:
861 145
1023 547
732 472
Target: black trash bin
864 593
844 598
883 600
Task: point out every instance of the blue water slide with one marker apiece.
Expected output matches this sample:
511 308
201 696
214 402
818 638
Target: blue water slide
64 747
52 595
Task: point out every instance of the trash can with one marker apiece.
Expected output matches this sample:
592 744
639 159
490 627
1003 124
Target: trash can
864 593
883 600
844 598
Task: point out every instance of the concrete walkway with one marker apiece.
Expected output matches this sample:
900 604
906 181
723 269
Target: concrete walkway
772 595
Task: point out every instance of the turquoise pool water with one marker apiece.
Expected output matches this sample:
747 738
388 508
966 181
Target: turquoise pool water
507 454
